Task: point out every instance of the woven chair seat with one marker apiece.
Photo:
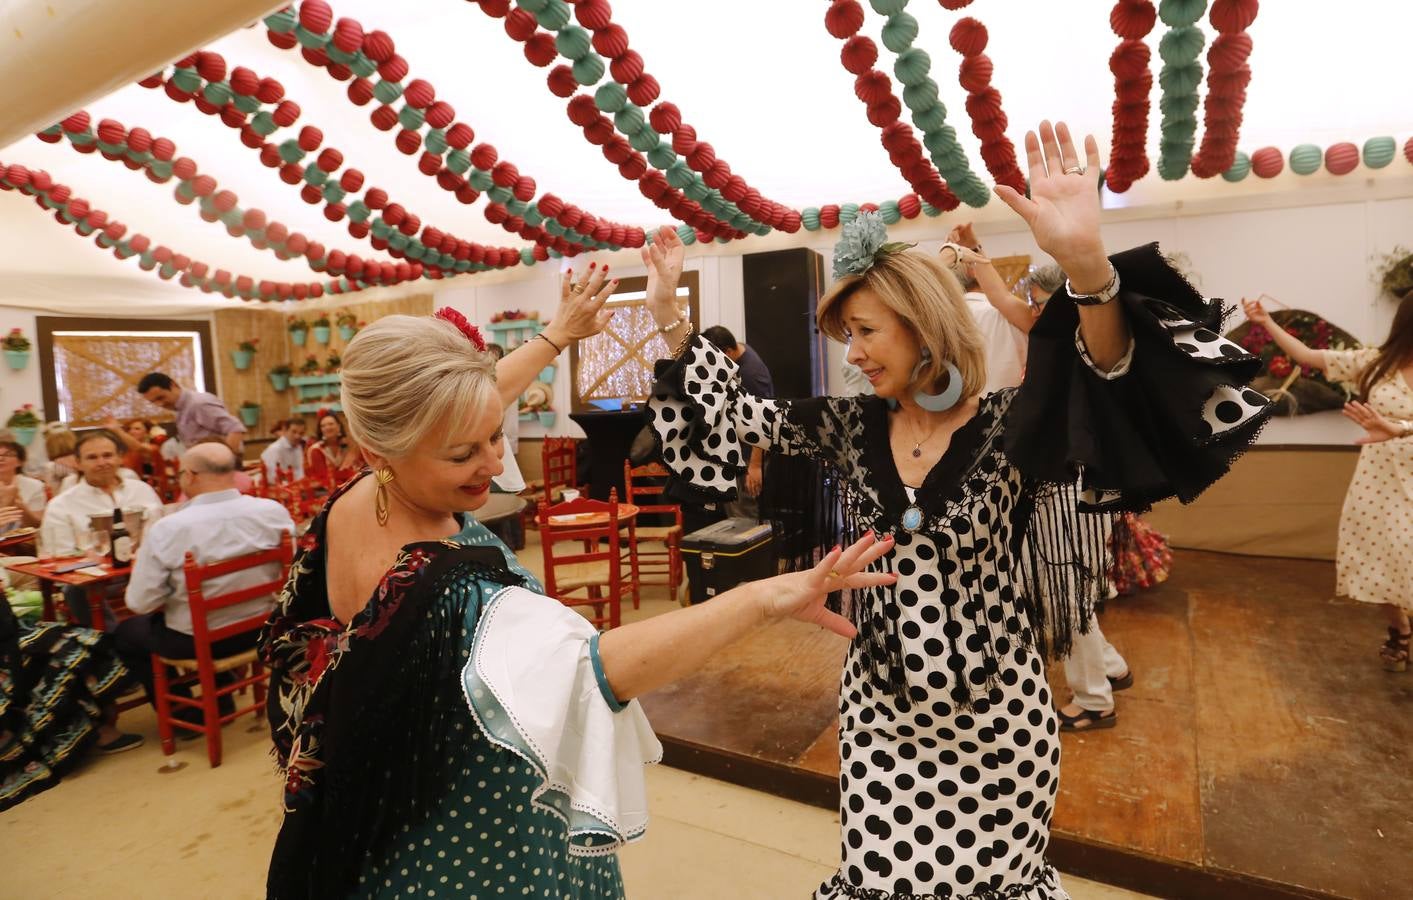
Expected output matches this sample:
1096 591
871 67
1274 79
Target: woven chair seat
224 664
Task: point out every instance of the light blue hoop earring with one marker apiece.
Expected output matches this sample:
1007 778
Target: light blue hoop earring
949 396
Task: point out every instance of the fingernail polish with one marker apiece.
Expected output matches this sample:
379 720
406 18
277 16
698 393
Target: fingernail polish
615 281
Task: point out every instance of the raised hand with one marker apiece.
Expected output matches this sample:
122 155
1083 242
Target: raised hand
801 595
1377 427
581 301
663 259
1063 208
1256 313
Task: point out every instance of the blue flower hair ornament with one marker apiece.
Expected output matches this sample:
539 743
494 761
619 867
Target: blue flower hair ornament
861 243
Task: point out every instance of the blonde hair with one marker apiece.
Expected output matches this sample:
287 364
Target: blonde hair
58 440
406 376
929 300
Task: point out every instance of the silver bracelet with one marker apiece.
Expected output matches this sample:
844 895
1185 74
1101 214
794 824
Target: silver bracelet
1108 292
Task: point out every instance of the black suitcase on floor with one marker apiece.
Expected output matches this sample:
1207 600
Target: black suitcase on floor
723 555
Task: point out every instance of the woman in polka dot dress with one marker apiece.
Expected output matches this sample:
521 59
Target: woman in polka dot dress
948 740
446 730
1374 559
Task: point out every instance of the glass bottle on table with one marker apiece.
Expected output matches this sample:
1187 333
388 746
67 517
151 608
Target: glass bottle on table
121 544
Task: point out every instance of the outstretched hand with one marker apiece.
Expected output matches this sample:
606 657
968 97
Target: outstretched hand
663 259
801 595
1256 313
581 310
1377 427
1063 208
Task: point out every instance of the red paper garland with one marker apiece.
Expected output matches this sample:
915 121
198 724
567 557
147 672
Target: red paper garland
1227 78
1131 20
374 198
626 67
420 94
193 273
296 244
983 103
843 20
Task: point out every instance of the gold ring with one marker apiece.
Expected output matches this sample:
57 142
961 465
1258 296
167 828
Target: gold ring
1074 170
834 574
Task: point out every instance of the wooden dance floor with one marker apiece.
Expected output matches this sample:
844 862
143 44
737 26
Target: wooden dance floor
1262 751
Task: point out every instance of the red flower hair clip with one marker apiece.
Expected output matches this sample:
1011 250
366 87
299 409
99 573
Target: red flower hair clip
447 314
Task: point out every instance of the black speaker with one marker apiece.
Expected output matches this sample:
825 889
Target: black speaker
781 291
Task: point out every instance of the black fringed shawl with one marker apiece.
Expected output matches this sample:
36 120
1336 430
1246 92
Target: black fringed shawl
361 716
1169 427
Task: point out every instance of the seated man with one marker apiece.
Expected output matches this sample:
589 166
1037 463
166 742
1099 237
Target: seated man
219 523
100 490
286 451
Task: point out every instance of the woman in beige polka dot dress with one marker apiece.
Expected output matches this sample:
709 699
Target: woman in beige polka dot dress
1374 561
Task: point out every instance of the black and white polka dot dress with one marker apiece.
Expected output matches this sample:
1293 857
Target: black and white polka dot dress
949 753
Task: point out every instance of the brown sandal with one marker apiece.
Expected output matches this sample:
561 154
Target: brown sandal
1394 651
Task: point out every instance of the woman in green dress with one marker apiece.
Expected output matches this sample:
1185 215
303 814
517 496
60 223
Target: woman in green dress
446 730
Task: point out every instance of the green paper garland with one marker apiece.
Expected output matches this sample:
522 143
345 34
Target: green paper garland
1379 151
1180 77
921 96
1240 168
1306 159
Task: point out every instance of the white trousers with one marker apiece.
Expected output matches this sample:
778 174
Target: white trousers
1089 667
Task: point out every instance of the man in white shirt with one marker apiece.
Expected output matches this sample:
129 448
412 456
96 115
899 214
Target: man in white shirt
100 489
286 452
219 523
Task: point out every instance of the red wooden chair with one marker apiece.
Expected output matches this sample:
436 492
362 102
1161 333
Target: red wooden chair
642 486
560 464
591 574
164 478
247 666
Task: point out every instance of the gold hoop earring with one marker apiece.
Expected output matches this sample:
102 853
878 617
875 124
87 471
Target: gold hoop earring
380 498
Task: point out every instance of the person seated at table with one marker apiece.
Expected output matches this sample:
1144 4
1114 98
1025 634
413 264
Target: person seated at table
219 523
59 444
333 458
138 446
19 491
58 691
66 530
286 452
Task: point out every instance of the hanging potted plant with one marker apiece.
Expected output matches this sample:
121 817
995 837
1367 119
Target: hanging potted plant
24 424
335 363
298 330
348 325
1395 273
279 376
244 354
250 414
16 349
321 328
310 366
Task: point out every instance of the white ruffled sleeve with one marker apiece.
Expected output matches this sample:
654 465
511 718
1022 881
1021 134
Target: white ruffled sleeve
536 688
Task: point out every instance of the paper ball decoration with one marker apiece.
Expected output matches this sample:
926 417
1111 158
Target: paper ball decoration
1341 158
1240 168
1379 151
844 18
899 32
1176 13
1268 162
1231 16
315 16
1132 19
1305 159
859 54
976 72
968 37
1408 150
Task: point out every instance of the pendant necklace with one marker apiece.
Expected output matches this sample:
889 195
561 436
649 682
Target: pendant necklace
917 445
912 516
